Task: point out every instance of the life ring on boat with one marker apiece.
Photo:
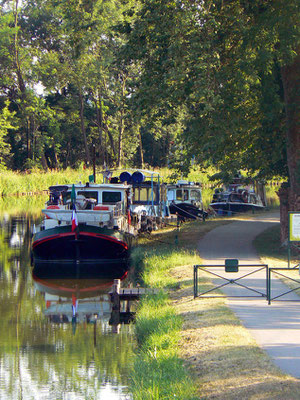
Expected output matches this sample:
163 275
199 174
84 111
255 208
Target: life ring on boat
52 207
245 196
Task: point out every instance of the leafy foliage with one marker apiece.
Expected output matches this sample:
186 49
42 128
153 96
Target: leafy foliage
163 83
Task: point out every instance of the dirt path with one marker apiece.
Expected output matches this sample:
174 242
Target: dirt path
275 327
219 347
235 240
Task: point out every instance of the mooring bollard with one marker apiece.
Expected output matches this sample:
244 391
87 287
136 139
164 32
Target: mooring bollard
116 295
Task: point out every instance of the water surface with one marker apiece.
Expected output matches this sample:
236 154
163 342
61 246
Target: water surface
56 344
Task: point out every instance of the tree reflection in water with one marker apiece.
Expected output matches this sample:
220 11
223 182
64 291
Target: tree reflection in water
42 357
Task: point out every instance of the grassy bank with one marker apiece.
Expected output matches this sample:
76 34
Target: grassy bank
195 348
159 372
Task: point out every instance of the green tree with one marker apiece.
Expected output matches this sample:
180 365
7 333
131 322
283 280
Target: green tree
6 124
233 69
78 64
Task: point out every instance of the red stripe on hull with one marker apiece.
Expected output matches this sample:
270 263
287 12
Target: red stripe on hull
91 234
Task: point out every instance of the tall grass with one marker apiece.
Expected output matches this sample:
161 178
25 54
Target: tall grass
36 181
14 183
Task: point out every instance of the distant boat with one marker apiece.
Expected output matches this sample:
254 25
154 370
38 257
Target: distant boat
238 198
85 222
185 200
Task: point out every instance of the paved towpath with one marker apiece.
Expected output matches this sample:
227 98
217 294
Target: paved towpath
276 327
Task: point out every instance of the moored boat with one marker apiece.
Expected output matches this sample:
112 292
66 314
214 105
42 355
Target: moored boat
185 200
238 197
148 204
88 222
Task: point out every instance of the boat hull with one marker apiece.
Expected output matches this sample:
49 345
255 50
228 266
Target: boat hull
86 243
187 211
84 271
234 207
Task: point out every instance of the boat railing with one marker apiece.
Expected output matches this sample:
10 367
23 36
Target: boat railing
118 209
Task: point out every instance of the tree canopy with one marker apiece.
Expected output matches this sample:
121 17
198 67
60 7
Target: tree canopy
159 82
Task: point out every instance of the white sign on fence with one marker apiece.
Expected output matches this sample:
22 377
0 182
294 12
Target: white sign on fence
294 226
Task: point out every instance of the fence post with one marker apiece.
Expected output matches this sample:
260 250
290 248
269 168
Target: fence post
269 286
195 281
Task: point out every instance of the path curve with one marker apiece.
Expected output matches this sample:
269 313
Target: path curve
275 327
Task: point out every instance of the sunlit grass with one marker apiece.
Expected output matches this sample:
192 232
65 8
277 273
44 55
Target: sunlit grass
158 371
36 181
157 264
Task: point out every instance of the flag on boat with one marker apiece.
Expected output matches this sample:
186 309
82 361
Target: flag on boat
74 219
73 195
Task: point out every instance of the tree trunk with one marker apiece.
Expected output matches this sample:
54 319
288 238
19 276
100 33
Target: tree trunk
97 98
121 124
121 134
100 129
44 161
21 83
83 131
290 197
141 148
110 137
291 83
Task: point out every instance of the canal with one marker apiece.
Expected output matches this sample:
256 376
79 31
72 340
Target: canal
56 335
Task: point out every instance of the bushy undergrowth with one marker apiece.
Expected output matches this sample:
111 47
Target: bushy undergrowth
272 197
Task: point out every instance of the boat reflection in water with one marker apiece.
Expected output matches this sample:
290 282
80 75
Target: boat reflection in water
80 292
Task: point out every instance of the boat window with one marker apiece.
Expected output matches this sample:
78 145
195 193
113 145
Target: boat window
89 194
171 195
195 195
182 194
178 194
140 194
235 197
224 197
143 194
111 197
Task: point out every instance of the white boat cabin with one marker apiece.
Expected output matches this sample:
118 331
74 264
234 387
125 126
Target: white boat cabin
185 192
96 204
88 196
